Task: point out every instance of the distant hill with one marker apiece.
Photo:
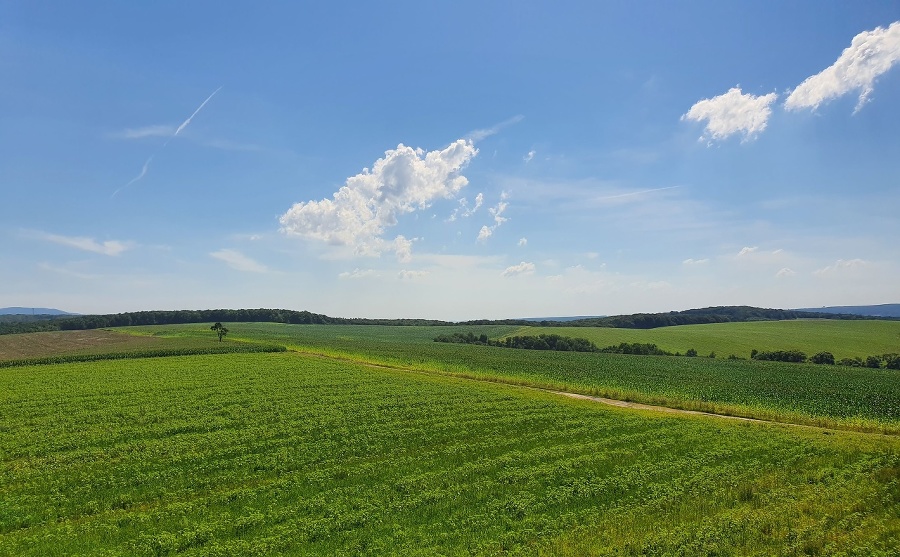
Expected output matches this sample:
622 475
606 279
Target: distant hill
33 311
882 310
562 319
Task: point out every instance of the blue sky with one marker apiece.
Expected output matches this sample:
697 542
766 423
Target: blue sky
449 160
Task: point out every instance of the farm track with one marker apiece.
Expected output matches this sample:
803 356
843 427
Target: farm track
601 400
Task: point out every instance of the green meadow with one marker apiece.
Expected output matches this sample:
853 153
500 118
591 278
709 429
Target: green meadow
293 454
844 339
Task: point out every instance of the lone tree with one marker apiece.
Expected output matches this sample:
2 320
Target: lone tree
220 330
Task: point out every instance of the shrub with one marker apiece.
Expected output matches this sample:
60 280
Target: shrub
823 358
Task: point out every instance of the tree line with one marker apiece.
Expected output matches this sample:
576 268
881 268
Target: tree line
720 314
570 344
889 361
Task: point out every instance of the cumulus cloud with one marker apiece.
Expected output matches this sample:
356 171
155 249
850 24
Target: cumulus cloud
529 156
239 261
358 274
785 272
747 251
523 268
523 242
731 113
404 181
109 247
497 213
870 54
841 265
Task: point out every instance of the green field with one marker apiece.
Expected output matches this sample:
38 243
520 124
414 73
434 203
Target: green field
836 396
261 454
844 339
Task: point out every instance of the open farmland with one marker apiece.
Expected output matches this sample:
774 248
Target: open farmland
58 343
292 454
836 396
844 339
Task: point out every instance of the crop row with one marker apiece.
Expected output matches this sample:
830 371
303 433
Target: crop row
279 453
229 348
858 398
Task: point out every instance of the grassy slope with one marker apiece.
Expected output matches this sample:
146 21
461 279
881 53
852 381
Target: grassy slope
844 339
285 454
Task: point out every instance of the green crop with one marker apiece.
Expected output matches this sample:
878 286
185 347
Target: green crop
835 396
262 454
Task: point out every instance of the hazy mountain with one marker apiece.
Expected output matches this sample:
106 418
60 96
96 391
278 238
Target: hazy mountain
33 311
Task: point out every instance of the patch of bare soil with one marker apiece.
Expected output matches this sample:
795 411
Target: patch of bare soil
59 343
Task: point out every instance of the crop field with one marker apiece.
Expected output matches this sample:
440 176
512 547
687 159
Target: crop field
844 339
58 343
261 454
834 396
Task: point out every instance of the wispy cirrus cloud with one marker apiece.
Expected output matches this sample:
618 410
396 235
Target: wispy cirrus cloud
111 248
478 135
731 113
405 180
238 261
523 268
358 274
870 54
842 266
161 130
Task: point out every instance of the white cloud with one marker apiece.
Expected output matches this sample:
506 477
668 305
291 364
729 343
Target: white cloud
358 274
522 268
747 251
529 156
696 261
404 181
785 272
478 135
239 261
411 275
496 212
464 210
109 247
403 248
841 265
162 130
731 113
523 242
870 54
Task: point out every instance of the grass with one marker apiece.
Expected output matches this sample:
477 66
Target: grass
832 396
844 339
260 454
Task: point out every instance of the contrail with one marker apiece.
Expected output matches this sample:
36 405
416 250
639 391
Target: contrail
629 194
174 135
138 177
191 117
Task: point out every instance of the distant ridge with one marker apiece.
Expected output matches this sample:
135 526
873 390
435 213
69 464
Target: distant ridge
33 311
563 319
879 310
